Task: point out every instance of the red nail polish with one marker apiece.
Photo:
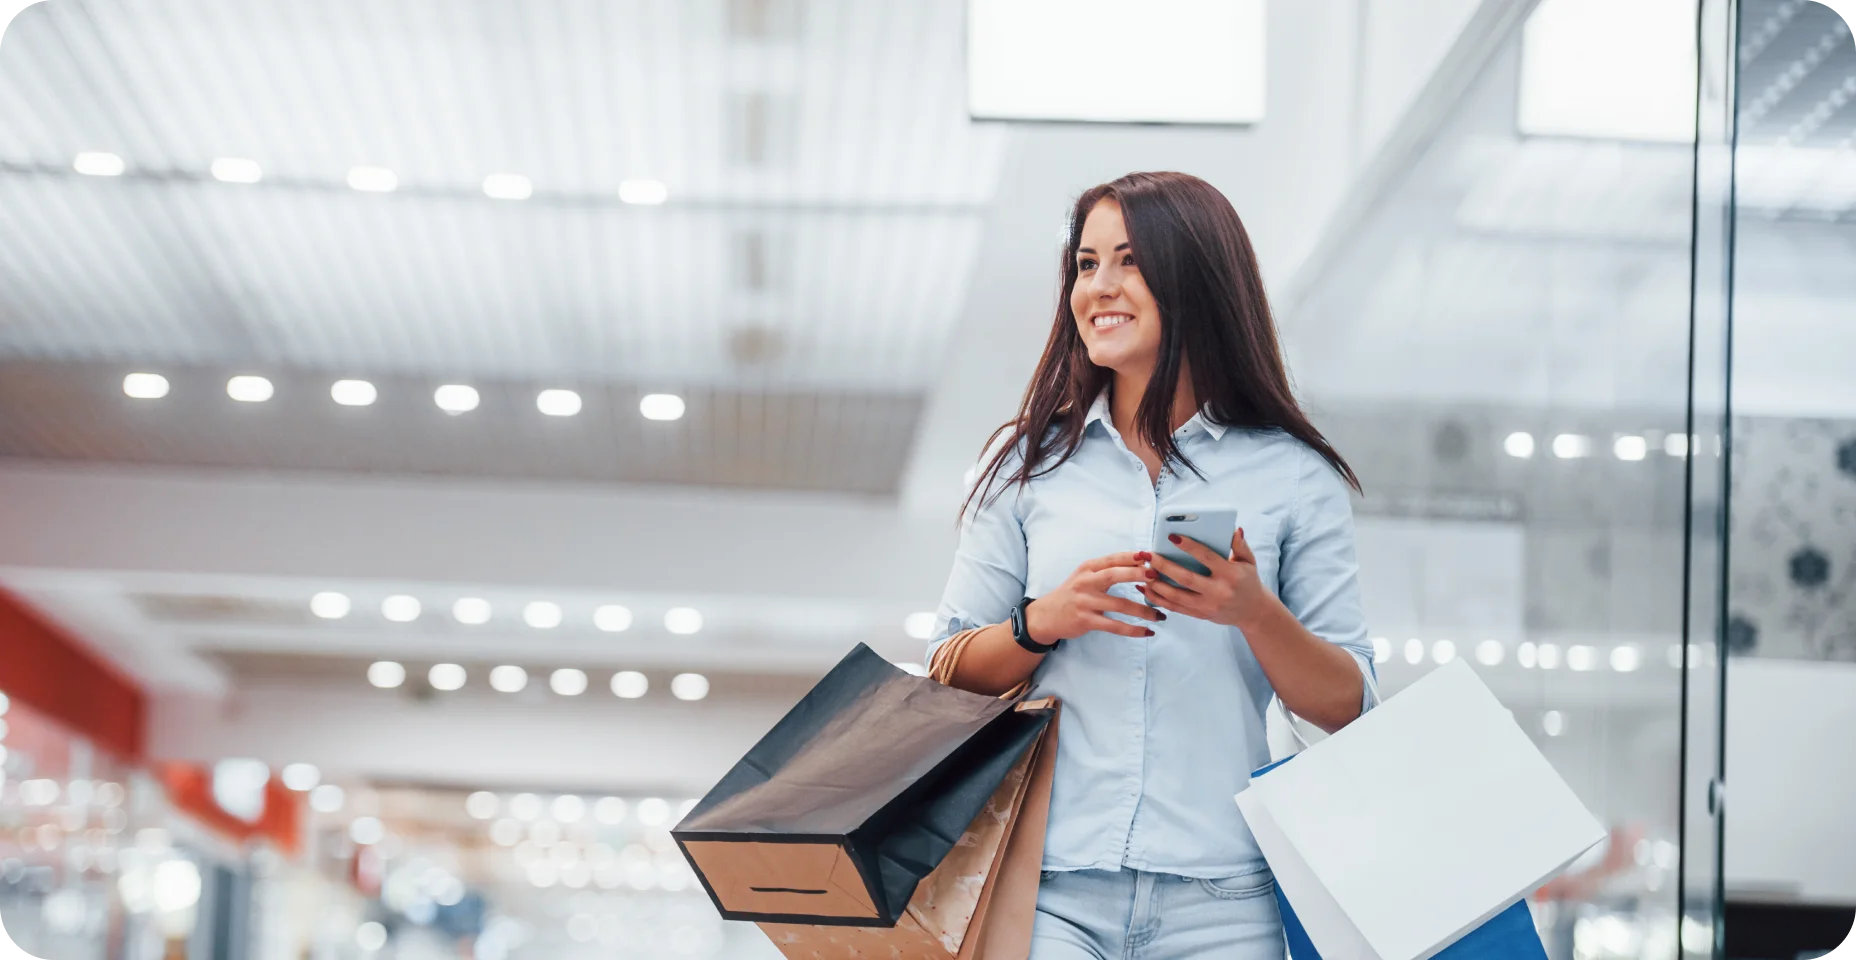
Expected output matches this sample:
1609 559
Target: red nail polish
1173 537
1162 617
1147 633
1150 574
1143 556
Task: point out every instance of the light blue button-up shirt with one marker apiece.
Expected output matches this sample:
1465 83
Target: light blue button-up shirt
1159 734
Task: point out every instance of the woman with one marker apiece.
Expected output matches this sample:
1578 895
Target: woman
1161 386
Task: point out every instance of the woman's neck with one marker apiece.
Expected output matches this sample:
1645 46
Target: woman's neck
1124 401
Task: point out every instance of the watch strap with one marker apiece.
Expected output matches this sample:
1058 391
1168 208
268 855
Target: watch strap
1021 630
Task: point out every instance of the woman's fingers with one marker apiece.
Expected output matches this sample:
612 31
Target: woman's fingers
1198 551
1182 576
1130 608
1096 621
1171 598
1101 580
1240 548
1126 558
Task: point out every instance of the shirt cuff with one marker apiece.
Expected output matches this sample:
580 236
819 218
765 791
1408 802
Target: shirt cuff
1369 682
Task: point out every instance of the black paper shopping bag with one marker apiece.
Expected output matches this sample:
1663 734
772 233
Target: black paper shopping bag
856 794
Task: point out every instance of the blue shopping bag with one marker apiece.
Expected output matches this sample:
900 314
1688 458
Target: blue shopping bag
1509 935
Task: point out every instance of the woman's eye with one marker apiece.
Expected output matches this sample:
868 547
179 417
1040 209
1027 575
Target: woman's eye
1085 264
1128 261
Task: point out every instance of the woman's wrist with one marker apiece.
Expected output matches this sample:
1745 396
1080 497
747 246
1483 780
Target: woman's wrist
1037 626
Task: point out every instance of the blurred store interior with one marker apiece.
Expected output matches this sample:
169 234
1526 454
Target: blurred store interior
438 438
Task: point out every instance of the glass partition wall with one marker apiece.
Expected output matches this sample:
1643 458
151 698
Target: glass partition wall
1519 335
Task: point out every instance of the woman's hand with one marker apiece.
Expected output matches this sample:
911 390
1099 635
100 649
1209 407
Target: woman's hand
1082 603
1232 594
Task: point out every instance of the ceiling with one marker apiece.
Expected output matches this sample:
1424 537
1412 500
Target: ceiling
825 194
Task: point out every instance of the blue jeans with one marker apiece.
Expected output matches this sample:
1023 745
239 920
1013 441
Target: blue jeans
1131 915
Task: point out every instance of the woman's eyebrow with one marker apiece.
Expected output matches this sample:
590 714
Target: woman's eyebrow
1123 246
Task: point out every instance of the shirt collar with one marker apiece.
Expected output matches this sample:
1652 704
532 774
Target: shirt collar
1098 411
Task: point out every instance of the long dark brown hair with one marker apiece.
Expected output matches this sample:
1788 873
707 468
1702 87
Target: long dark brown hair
1197 260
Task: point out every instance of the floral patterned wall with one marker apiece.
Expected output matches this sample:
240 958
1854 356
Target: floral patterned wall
1792 559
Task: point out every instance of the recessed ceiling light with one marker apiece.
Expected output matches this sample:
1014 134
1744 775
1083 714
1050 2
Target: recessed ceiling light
568 808
1581 658
630 684
612 618
1630 447
542 615
386 674
249 389
1489 653
1414 651
1443 651
237 170
558 403
145 386
1676 444
525 806
1526 656
1382 649
507 186
327 798
508 679
330 605
643 192
689 686
98 164
1553 723
609 810
471 611
661 406
1519 445
373 179
482 805
446 676
1548 656
1626 658
653 811
567 682
1571 446
301 777
919 626
353 393
456 398
400 608
367 830
683 620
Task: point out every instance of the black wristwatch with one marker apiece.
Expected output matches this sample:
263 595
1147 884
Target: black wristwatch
1021 631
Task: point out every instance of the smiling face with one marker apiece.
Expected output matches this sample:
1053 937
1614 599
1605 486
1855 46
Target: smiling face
1115 312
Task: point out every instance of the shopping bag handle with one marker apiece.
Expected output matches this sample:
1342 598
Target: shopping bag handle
1366 677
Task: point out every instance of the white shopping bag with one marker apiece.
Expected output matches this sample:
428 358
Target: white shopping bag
1416 823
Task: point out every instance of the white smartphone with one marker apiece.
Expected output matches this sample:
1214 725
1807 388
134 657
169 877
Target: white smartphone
1210 525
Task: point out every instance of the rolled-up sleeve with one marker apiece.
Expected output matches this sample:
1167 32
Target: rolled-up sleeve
988 578
1320 574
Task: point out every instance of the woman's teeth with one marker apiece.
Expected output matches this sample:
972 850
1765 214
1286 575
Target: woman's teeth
1111 320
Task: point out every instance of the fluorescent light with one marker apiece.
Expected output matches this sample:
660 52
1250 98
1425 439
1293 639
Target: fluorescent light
471 611
237 170
301 777
1382 649
507 186
1676 444
1570 446
249 389
630 684
327 798
1553 723
612 618
145 386
1616 71
661 406
508 679
330 605
386 674
455 398
1414 651
1626 658
558 403
1489 653
919 626
689 686
373 179
1581 658
1179 61
1527 656
567 682
568 808
400 608
643 192
1443 651
446 677
353 393
1548 655
1630 448
542 615
1519 444
98 164
682 620
367 831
